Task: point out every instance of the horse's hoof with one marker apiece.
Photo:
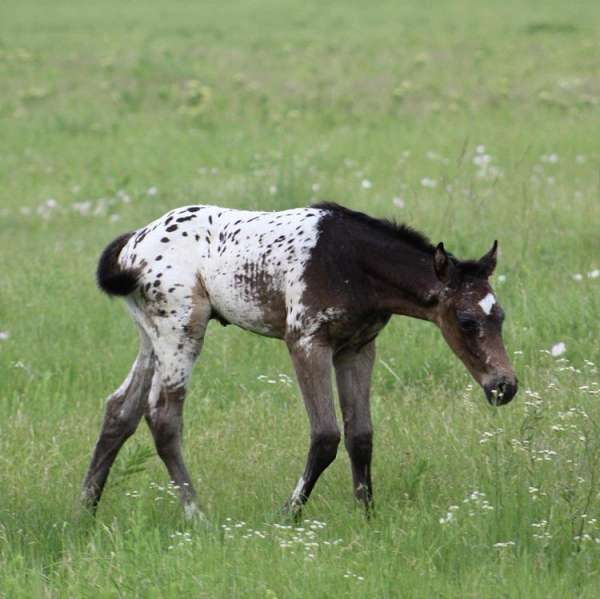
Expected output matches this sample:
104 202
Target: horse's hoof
195 516
291 513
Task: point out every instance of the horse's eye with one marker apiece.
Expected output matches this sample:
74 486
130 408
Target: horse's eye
468 325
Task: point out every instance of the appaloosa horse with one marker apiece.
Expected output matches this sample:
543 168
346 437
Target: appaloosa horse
324 279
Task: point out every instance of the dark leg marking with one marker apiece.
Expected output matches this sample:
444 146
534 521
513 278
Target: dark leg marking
313 369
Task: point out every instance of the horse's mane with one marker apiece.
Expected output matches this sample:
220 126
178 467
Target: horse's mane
382 225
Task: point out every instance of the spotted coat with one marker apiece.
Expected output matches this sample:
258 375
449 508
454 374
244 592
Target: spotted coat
240 267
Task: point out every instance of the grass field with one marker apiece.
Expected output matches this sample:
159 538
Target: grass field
468 120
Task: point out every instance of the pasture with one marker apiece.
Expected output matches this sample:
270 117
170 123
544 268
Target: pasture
471 121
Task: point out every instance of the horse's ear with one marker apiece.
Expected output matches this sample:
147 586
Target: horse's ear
488 261
441 264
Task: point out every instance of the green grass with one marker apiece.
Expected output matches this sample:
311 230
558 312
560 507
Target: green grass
270 105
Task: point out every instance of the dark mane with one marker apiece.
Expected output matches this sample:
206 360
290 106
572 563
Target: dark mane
382 225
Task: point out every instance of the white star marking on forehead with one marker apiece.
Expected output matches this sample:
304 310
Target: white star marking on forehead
487 302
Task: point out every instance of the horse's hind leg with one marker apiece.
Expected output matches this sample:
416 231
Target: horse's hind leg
124 409
353 370
175 356
164 415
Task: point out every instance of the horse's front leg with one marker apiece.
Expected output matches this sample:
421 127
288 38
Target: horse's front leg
313 363
353 370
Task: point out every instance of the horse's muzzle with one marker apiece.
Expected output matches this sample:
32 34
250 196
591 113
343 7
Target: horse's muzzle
501 391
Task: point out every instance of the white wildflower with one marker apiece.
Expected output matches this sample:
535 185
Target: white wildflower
482 160
428 182
550 158
504 544
84 208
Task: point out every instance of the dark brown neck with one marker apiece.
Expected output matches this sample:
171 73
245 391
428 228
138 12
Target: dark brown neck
402 280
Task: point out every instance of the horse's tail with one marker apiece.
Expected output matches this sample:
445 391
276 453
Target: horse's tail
111 276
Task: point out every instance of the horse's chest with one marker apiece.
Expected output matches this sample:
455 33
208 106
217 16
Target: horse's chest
356 331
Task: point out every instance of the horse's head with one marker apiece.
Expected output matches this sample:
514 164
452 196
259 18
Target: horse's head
470 319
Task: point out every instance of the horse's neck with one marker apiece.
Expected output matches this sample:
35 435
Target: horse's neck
402 279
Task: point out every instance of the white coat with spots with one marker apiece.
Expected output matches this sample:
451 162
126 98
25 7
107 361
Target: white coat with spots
197 262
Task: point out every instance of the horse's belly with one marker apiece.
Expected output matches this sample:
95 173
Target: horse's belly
255 303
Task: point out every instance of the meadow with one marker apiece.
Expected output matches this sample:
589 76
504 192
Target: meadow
471 121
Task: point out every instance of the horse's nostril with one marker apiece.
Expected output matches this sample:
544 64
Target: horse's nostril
500 393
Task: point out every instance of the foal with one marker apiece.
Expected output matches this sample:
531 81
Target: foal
324 279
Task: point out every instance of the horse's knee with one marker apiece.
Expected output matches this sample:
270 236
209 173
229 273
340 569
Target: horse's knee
325 446
119 421
360 445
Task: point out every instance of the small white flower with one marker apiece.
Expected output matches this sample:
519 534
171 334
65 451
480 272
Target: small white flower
83 208
427 182
482 160
550 158
152 191
398 202
273 189
558 349
501 278
366 184
124 196
594 274
4 335
578 276
114 218
480 149
503 545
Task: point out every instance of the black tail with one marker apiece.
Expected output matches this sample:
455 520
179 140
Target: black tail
113 279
